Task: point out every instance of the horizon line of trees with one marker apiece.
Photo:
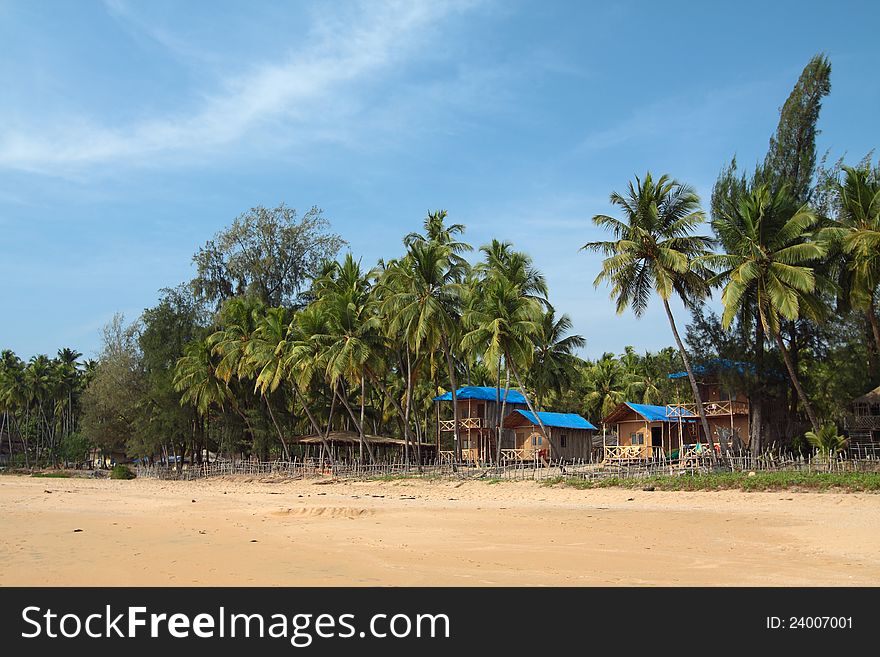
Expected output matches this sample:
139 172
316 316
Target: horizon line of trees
275 337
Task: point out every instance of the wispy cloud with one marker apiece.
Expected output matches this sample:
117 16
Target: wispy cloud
693 115
340 53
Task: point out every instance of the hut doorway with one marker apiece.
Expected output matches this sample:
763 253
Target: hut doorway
657 437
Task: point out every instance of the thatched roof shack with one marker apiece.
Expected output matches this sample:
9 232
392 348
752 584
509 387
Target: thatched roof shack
346 443
872 397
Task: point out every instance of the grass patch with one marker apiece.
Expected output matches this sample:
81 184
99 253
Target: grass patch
761 481
493 480
51 475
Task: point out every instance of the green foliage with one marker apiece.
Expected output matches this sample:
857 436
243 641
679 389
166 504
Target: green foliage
51 475
827 442
269 253
761 481
121 471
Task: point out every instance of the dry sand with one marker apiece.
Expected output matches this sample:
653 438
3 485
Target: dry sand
237 531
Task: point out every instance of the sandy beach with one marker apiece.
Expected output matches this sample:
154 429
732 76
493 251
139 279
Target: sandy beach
239 531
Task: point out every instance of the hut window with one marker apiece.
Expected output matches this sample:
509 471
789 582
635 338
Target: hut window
537 440
636 439
562 440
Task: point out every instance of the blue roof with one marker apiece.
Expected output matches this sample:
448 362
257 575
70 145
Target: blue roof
486 393
658 413
715 365
563 420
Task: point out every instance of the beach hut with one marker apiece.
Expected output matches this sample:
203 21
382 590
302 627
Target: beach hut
650 431
725 407
479 420
345 445
863 421
569 436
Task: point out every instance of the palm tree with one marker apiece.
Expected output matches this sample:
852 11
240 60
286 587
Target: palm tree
354 340
195 375
504 324
423 303
826 441
769 262
264 352
607 383
654 251
857 229
554 365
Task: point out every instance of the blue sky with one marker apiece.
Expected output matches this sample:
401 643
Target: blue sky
131 132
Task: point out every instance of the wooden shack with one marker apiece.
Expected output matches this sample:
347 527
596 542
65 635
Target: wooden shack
479 419
862 423
727 409
650 431
569 436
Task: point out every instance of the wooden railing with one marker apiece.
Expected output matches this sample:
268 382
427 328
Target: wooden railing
626 452
712 409
463 423
515 455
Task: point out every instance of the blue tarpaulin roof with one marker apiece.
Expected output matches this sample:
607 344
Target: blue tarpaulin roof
486 393
658 413
562 420
716 365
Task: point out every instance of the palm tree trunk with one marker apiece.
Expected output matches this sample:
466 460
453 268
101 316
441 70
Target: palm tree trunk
277 428
796 381
361 434
875 325
503 407
529 404
315 427
451 367
357 424
375 379
687 366
756 405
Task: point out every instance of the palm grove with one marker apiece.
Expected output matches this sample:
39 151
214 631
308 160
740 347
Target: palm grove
275 337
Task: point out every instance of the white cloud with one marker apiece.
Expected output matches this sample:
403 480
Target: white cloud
340 53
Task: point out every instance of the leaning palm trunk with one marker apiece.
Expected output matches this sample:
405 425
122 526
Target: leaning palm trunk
277 428
792 373
503 407
384 389
358 424
315 426
455 429
529 404
697 397
875 325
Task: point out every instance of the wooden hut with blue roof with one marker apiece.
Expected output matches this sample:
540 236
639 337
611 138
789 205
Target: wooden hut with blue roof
569 436
479 420
649 431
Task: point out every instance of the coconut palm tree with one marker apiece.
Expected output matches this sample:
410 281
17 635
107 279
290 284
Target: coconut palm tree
195 375
654 251
826 441
265 354
607 383
423 303
554 364
769 262
503 324
857 231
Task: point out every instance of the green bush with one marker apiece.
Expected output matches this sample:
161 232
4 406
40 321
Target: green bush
120 471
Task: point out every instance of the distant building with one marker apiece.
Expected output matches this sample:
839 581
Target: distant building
863 422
